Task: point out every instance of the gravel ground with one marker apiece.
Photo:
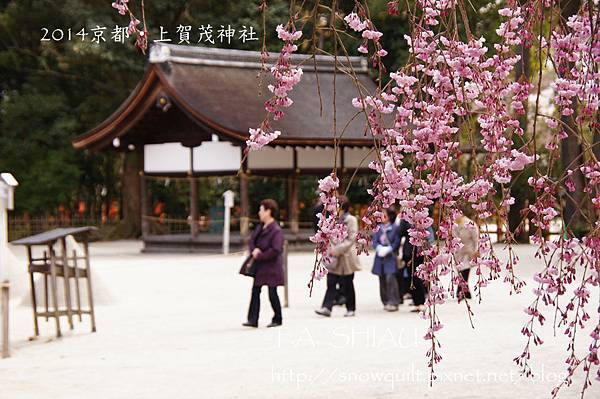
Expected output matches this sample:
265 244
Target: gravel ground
169 326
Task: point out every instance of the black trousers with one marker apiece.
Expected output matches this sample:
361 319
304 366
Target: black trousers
403 278
417 291
254 308
347 288
465 275
411 284
389 290
414 284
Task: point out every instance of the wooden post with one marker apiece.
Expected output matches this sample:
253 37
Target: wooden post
293 196
53 288
293 204
286 303
45 288
76 270
194 206
65 267
4 300
88 279
144 205
244 206
342 168
499 229
36 328
133 166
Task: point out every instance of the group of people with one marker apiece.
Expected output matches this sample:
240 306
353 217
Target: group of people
395 263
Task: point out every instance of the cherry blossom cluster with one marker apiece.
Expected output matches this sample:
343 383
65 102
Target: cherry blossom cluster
358 22
451 85
331 231
286 77
259 138
592 174
430 100
141 35
576 53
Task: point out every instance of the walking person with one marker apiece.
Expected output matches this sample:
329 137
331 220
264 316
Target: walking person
266 247
346 262
339 299
412 259
386 242
468 232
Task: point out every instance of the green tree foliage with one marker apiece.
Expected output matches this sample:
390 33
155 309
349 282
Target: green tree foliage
52 91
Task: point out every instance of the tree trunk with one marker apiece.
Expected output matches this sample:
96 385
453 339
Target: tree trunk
596 142
571 150
522 71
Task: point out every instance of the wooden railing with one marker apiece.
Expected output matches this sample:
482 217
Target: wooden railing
19 226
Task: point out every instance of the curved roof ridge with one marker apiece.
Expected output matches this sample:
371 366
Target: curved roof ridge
130 108
161 53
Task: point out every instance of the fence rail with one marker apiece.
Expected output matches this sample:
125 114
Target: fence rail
167 225
19 227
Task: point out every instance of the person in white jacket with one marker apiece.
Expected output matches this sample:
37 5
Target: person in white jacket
468 232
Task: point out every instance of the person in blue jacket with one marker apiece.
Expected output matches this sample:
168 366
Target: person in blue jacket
386 242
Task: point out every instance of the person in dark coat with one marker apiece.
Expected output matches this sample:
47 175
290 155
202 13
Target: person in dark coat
266 247
412 260
386 242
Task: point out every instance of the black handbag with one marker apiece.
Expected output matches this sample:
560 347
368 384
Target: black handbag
250 265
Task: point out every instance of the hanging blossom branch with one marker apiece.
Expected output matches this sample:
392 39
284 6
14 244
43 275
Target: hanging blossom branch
330 230
141 35
451 83
448 81
286 77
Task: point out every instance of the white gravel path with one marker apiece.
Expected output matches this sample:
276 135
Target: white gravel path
172 329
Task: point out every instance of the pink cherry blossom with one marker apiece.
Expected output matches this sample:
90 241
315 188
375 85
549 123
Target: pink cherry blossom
259 138
285 35
355 23
371 34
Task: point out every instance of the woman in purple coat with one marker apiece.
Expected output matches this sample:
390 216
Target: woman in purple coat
266 247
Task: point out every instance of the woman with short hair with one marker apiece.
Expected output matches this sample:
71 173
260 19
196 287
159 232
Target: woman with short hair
266 247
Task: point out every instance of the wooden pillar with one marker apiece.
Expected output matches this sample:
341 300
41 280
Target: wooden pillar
67 286
286 302
293 203
244 206
293 196
36 328
133 166
54 288
342 159
194 206
342 170
88 275
144 205
193 197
